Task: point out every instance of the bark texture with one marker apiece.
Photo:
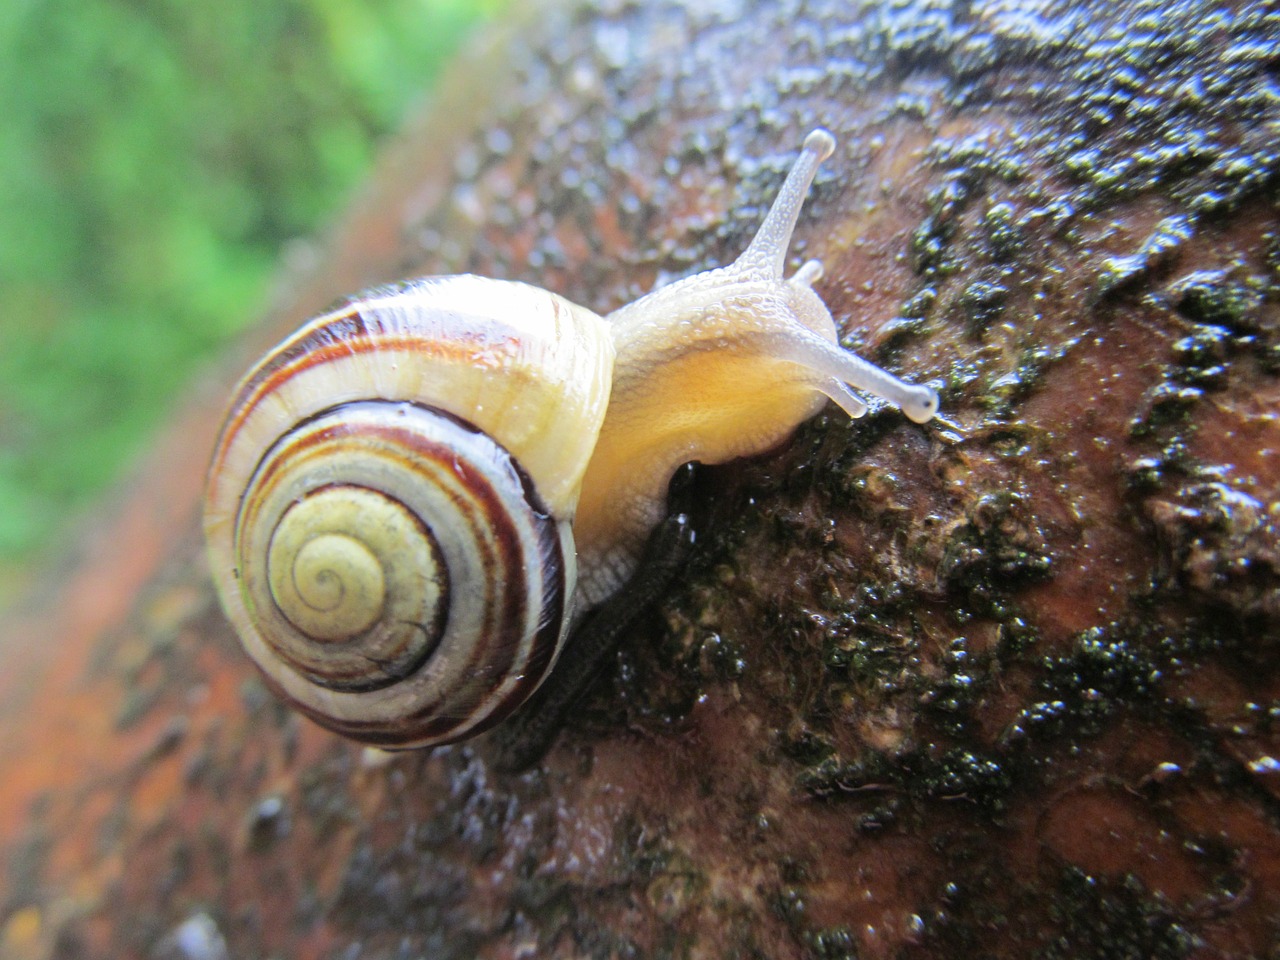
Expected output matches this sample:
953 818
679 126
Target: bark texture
1001 686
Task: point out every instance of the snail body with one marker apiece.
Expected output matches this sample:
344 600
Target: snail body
413 496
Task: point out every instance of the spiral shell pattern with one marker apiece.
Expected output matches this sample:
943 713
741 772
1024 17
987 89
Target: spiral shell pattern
389 503
397 590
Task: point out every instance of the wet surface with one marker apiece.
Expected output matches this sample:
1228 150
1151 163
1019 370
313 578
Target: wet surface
1002 685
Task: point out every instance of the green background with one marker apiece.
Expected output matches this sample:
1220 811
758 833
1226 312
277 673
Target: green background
154 157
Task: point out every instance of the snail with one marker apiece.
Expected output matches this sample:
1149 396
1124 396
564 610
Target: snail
415 497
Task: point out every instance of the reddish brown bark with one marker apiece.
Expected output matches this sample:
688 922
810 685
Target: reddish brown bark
999 686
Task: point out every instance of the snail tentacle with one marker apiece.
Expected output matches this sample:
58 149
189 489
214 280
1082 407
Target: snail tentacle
767 253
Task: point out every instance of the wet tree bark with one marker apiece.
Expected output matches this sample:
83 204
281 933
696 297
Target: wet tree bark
1001 686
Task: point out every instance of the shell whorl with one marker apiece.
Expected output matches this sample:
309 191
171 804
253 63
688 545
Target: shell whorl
393 566
403 583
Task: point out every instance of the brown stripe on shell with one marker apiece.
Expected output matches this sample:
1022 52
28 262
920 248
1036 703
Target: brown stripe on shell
427 727
541 653
422 729
267 382
363 682
355 331
546 645
510 619
352 330
493 663
504 632
502 623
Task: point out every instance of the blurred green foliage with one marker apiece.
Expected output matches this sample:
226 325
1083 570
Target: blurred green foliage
154 155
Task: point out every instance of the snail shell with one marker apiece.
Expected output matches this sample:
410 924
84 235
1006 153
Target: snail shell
404 489
387 507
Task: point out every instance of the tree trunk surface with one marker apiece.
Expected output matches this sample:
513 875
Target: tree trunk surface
1004 685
